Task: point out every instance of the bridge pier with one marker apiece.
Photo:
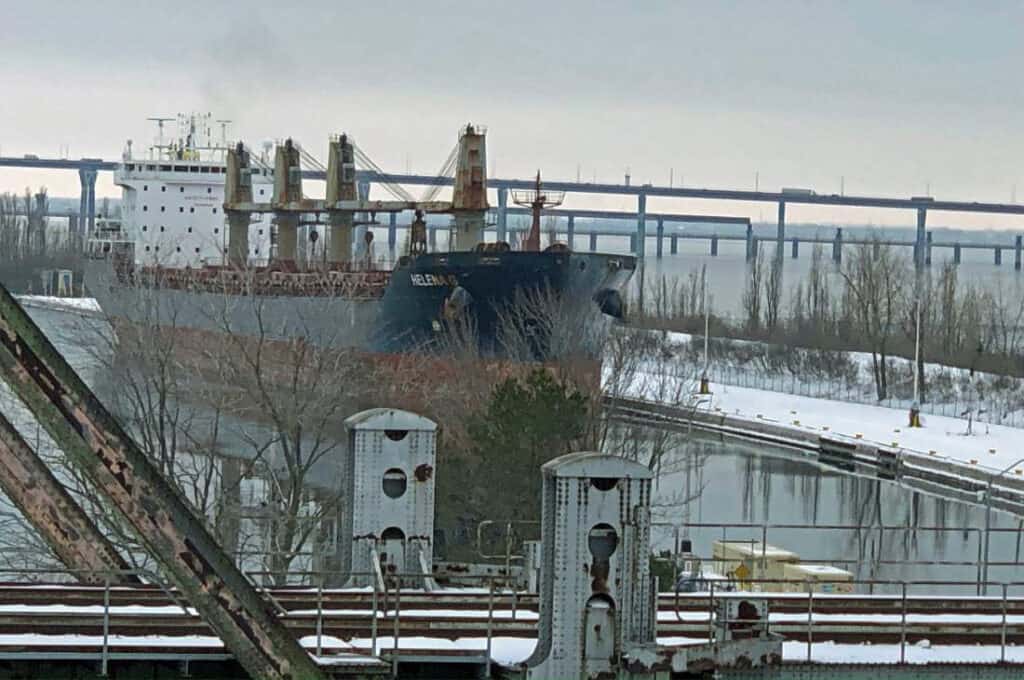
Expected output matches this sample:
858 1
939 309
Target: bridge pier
503 216
780 234
633 248
593 241
1016 252
87 201
998 256
359 233
751 246
570 236
392 233
956 253
661 235
796 248
714 246
673 244
837 247
920 240
641 225
928 250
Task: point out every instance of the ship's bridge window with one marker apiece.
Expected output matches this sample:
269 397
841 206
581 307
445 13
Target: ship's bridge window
163 208
144 227
261 192
147 249
214 211
145 187
161 228
181 190
150 167
179 249
181 208
130 167
163 188
165 168
190 230
145 208
197 250
192 209
216 230
209 190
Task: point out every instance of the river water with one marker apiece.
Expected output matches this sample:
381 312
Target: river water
709 480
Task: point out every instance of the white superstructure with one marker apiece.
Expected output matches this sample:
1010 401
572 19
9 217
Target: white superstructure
172 200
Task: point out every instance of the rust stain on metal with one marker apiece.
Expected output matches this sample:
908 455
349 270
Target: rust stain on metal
171 533
423 472
51 510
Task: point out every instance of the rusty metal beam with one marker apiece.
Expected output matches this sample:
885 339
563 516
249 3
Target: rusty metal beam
59 520
160 517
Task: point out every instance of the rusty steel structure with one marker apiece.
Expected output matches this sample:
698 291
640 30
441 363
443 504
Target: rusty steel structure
60 521
159 516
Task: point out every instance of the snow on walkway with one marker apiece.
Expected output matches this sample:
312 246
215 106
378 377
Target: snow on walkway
992 448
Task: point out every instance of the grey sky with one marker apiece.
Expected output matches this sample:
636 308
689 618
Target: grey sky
890 95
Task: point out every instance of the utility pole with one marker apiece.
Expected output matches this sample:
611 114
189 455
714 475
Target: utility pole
705 383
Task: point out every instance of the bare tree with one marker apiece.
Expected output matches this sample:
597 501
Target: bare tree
875 286
773 293
752 293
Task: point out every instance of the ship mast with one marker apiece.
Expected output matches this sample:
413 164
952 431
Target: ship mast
537 200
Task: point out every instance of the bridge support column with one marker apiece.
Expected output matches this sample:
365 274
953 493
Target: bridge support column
503 216
87 201
751 248
392 233
920 240
570 229
714 246
928 250
956 254
837 247
796 248
1016 252
661 234
593 241
641 226
359 233
999 256
780 233
633 247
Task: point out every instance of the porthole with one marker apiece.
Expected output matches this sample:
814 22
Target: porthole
602 541
394 483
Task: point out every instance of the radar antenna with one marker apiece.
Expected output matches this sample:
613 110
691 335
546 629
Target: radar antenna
537 200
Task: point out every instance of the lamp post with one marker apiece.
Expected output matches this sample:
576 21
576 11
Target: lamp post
988 520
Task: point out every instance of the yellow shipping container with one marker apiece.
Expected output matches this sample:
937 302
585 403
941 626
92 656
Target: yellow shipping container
821 577
752 560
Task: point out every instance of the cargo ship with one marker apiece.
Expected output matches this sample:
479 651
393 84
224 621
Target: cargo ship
220 238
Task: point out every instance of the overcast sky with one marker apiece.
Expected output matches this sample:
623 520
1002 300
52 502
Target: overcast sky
895 97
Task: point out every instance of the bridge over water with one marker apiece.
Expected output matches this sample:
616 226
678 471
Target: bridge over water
922 243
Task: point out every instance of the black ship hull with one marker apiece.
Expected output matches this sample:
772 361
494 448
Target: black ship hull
519 305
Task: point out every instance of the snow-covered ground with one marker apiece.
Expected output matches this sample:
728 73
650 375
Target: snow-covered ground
990 447
848 376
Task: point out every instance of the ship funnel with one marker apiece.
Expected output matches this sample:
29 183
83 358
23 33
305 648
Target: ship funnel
341 186
287 189
237 193
469 199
